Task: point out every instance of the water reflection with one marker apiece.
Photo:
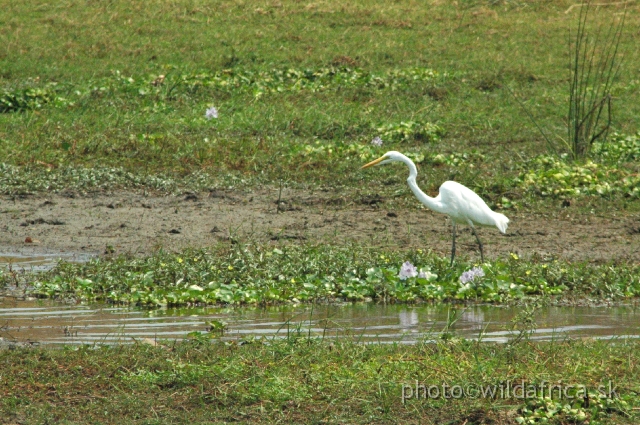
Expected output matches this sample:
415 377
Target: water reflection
474 316
28 261
408 320
52 323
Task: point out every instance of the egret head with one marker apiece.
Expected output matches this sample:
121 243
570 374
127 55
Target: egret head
388 157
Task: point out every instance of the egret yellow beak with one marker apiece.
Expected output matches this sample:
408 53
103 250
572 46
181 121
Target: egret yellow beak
375 162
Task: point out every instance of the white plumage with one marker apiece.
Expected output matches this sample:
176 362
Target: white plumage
459 202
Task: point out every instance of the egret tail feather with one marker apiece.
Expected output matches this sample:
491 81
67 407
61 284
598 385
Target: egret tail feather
502 222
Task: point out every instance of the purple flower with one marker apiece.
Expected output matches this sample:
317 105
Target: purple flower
471 275
407 270
377 141
211 113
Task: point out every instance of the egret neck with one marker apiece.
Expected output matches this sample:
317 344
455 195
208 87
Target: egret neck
431 203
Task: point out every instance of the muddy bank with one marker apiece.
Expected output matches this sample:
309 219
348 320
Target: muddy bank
127 222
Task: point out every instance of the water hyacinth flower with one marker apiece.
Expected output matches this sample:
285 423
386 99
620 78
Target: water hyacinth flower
407 270
377 141
471 275
211 113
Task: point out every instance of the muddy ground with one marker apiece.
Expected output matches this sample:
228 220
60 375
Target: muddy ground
129 222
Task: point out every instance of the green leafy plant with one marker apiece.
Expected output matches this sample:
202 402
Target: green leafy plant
26 99
249 275
457 159
409 131
618 148
553 176
524 323
259 83
590 407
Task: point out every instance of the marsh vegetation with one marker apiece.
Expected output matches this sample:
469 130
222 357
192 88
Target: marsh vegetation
122 121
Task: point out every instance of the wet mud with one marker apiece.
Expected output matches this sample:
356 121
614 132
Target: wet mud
139 224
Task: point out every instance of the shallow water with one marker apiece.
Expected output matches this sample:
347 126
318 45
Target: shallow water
29 260
51 323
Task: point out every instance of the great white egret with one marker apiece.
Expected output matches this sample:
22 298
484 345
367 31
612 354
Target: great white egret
459 202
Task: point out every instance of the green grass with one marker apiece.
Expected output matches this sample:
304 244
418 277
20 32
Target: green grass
99 95
301 380
101 103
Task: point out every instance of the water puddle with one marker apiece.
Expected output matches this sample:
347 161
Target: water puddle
50 323
37 262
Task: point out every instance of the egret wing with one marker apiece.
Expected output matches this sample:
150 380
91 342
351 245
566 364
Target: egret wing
465 205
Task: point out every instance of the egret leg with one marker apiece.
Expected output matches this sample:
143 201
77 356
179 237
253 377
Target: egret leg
453 246
473 229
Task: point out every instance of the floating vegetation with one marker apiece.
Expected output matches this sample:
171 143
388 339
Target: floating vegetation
266 275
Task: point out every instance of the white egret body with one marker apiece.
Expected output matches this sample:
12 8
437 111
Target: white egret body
459 202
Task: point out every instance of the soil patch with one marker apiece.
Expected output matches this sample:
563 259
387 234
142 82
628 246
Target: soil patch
128 222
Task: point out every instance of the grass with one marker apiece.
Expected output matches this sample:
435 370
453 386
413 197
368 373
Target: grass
126 85
306 380
102 95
